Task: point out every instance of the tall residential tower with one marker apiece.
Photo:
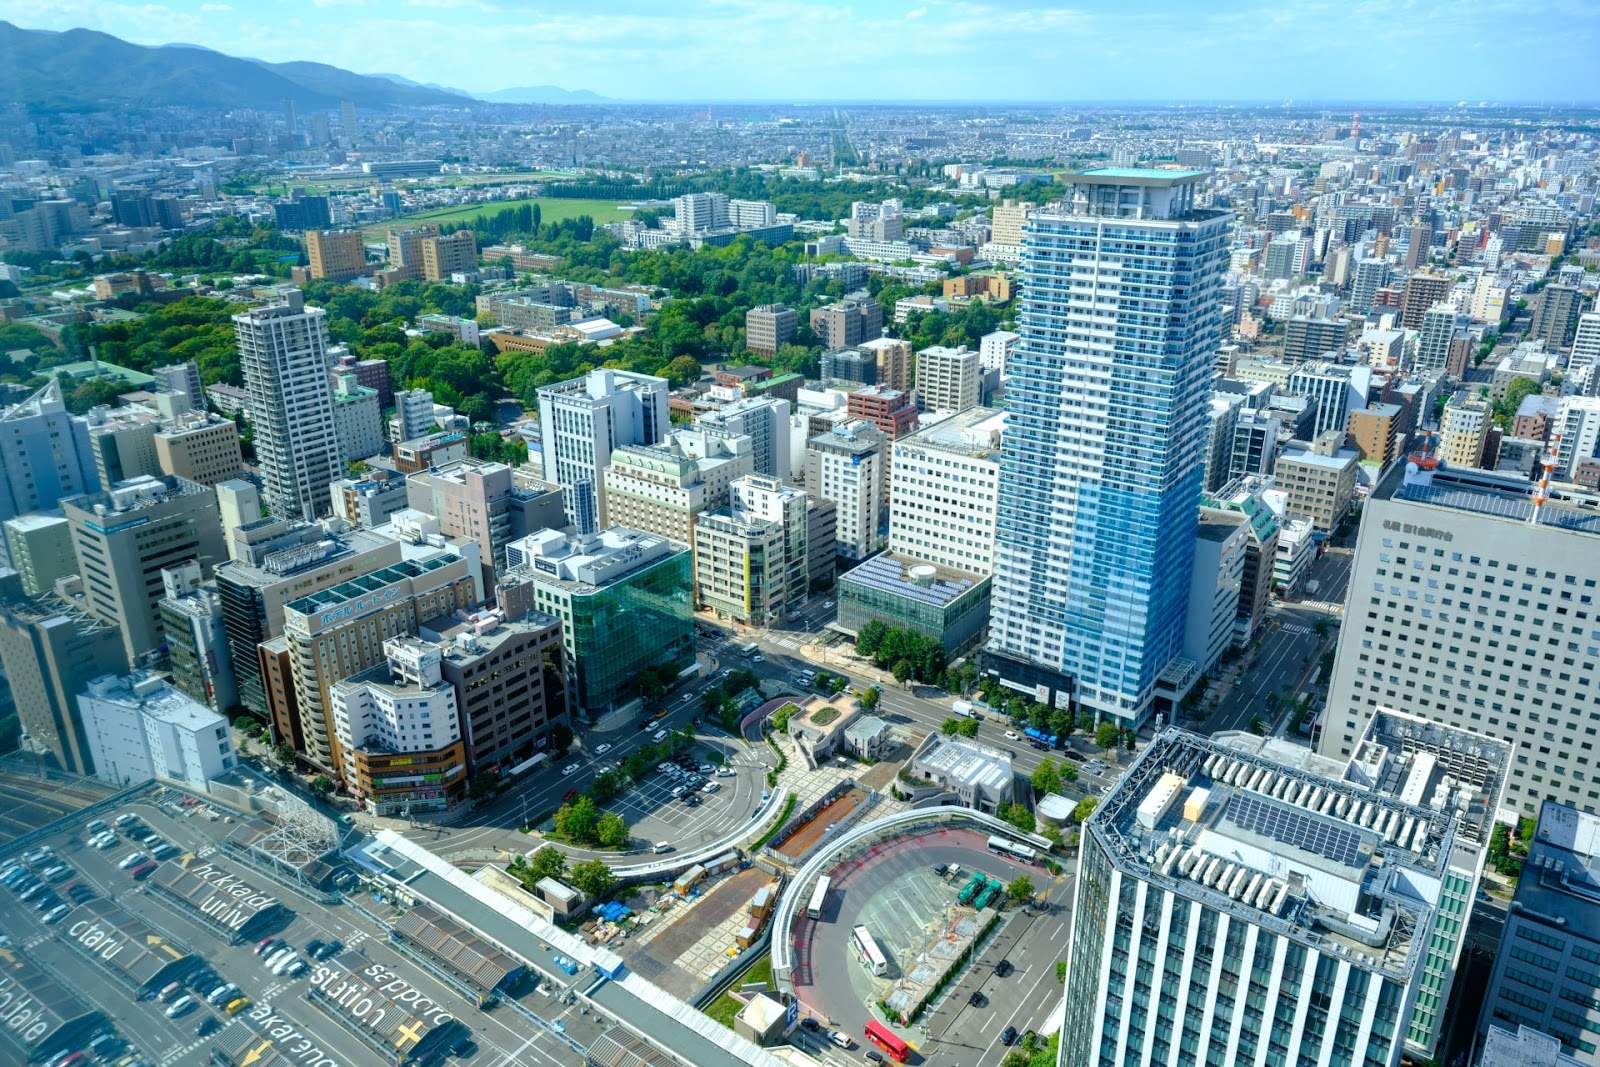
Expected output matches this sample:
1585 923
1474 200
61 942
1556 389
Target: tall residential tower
1105 437
283 354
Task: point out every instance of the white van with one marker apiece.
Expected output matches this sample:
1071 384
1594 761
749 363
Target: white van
659 736
662 846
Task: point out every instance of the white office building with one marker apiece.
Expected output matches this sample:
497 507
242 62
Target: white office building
1467 607
994 350
763 419
283 356
948 379
403 705
1244 902
698 212
1219 559
139 727
413 414
582 420
847 465
943 484
1578 422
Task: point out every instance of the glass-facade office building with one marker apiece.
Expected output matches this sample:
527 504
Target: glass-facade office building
1103 450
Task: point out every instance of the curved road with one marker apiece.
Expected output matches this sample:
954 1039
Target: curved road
822 949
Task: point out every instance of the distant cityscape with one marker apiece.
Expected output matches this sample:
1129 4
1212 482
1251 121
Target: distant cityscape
563 581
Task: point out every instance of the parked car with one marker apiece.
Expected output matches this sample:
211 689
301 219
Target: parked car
1008 1035
874 1056
181 1007
839 1037
56 914
127 818
132 860
208 1026
268 944
236 1006
223 993
809 1023
96 826
332 948
141 872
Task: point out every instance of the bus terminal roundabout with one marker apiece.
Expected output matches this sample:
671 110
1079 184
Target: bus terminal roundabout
898 917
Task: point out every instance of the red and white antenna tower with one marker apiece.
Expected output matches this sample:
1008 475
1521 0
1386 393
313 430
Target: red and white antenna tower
1542 493
1355 126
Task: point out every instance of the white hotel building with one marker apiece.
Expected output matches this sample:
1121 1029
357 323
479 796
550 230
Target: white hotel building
1250 904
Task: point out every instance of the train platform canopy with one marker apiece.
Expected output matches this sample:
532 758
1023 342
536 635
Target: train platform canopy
240 1046
618 1048
461 950
134 952
218 897
38 1014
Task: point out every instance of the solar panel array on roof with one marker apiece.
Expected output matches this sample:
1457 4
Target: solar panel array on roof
1292 827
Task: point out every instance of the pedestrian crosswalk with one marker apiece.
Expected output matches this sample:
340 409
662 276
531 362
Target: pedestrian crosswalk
1294 628
1323 605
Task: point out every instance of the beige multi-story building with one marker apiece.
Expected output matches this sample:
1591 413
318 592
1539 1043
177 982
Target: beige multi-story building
848 465
444 256
510 680
663 489
948 379
51 651
943 488
768 327
337 255
1006 225
740 567
1375 432
1320 488
41 550
405 251
201 448
1463 430
490 502
897 362
340 631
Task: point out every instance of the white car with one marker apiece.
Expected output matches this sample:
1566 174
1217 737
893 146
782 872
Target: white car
1012 735
570 769
103 841
840 1038
602 749
132 860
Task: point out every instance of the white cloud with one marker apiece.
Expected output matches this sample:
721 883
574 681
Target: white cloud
916 13
211 9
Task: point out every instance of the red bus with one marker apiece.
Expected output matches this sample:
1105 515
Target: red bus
885 1038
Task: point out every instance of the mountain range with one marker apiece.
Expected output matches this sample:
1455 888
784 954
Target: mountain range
85 70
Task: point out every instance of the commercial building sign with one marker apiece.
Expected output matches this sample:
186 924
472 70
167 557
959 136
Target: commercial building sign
1418 531
360 606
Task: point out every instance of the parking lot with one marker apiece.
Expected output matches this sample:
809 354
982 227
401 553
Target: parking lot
658 808
202 914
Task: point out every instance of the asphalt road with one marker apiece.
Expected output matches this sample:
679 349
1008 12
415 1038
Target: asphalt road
957 1033
503 1038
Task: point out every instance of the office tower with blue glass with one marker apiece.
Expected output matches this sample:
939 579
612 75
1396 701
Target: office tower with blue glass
1104 446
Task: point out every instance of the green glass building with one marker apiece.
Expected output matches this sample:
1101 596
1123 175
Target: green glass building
625 599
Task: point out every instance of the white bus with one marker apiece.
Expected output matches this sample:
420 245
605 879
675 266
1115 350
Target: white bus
1007 848
867 952
819 897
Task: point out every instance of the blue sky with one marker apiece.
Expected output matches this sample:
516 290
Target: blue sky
1159 50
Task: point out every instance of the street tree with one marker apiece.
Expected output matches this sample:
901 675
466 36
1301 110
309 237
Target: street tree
548 862
592 878
1106 735
612 830
1084 809
1021 889
1047 777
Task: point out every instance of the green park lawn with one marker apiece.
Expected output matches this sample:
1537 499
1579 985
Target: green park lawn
550 210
